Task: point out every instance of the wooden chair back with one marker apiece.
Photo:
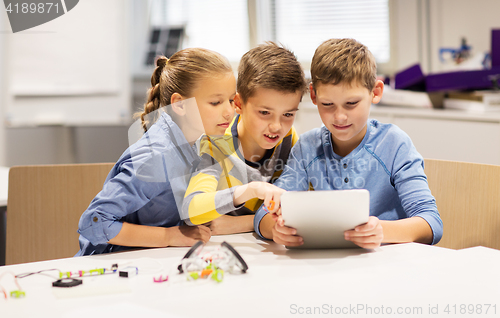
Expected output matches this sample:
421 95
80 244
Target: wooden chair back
44 207
468 200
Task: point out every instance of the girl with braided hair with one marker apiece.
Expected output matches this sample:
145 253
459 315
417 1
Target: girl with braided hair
191 94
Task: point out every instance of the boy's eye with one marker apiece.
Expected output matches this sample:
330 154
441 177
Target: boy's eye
327 104
288 114
264 112
214 103
352 103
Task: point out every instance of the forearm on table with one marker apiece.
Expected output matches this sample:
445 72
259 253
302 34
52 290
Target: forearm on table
414 229
141 235
243 224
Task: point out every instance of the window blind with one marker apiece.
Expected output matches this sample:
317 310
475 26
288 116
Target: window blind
303 25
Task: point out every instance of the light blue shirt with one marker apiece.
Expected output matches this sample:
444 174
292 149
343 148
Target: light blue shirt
385 163
145 187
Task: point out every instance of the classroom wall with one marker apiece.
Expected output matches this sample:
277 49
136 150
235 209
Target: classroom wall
420 28
3 26
406 37
87 101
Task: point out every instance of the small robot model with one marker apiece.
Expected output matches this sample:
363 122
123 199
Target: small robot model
212 264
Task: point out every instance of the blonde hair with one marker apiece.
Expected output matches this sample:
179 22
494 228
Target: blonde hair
269 66
343 61
180 74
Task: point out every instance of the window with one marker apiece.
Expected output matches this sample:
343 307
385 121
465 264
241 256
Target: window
303 25
232 27
219 25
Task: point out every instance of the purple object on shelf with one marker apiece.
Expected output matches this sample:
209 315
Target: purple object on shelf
495 48
409 77
461 80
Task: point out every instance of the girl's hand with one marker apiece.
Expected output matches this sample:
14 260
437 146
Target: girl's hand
271 195
187 235
368 235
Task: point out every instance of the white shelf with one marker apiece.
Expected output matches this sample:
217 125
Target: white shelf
435 113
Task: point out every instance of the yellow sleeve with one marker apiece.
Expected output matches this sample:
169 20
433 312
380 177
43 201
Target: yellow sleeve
200 197
209 193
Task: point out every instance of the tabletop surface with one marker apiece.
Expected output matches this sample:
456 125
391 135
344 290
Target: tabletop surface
403 280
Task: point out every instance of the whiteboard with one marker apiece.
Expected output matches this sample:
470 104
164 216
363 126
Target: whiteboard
73 70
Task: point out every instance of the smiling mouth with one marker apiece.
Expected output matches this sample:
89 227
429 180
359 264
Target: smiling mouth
273 137
342 127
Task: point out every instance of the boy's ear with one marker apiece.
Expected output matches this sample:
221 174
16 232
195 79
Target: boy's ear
313 93
377 92
177 104
237 103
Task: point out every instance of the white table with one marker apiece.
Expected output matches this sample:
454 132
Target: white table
279 283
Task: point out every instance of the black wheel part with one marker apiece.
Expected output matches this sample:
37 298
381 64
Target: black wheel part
241 263
189 253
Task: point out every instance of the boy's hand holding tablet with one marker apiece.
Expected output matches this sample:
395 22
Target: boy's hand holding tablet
282 234
285 235
367 235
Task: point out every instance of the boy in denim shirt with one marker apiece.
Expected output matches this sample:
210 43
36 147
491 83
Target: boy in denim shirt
352 152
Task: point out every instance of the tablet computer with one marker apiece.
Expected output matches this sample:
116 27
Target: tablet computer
321 217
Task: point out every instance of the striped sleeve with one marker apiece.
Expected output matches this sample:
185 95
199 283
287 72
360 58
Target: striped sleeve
210 190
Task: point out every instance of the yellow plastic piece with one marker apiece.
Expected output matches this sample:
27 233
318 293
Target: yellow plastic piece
218 275
193 276
17 294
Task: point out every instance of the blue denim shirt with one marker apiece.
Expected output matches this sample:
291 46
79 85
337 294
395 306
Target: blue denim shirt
385 163
145 187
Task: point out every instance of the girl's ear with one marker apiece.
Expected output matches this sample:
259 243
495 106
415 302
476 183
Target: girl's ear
237 103
313 93
377 92
177 104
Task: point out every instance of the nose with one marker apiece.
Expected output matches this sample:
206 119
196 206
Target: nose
228 111
275 125
340 115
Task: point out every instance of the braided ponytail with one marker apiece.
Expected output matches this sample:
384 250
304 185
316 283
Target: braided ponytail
153 101
179 74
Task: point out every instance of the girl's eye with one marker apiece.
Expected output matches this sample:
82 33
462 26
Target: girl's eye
264 112
288 114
